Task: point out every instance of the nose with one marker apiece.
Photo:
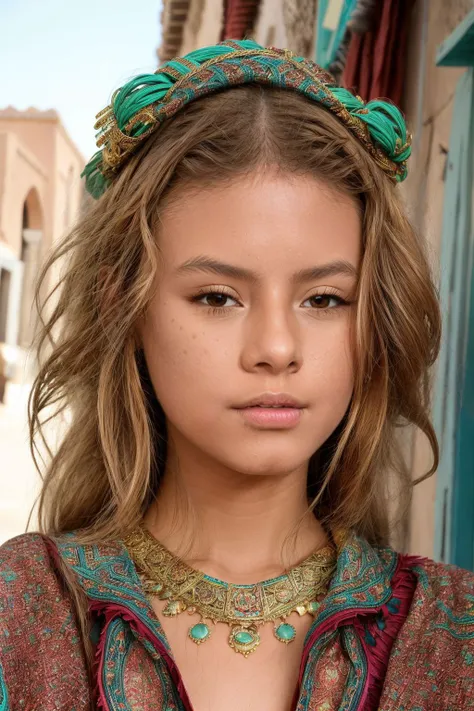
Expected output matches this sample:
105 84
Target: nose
272 340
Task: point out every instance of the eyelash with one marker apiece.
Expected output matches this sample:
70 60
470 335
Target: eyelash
219 310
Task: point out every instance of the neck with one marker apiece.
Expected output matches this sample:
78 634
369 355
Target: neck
232 525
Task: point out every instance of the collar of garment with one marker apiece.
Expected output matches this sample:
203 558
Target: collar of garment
107 574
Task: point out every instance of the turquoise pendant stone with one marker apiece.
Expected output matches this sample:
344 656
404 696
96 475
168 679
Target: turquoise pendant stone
243 637
244 641
285 633
199 633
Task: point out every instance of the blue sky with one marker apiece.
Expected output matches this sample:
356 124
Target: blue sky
70 55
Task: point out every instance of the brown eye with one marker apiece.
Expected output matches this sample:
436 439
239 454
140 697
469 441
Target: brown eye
215 299
323 301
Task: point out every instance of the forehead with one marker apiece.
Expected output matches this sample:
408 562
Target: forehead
272 222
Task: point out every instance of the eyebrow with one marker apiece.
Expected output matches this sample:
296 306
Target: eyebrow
209 265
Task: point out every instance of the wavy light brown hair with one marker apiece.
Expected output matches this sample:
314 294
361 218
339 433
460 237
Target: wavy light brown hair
108 467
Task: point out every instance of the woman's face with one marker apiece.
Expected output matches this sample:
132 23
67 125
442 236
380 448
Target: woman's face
268 329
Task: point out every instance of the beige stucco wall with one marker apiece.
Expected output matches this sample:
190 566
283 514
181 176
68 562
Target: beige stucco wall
39 143
20 172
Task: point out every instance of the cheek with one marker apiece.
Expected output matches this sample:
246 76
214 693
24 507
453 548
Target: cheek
185 365
332 352
332 375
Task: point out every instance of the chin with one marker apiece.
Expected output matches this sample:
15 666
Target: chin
279 462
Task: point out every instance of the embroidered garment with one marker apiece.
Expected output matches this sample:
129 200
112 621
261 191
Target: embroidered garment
394 633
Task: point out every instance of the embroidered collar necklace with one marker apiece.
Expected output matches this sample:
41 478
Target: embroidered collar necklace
242 607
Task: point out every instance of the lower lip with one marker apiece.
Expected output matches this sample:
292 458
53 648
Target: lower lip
275 417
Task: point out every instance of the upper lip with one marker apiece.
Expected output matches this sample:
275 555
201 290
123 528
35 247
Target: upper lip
273 399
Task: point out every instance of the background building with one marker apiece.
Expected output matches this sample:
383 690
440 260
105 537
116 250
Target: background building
40 196
419 54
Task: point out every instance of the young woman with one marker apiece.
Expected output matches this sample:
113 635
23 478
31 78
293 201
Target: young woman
246 318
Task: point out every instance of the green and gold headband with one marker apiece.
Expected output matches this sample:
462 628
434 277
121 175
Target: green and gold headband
139 107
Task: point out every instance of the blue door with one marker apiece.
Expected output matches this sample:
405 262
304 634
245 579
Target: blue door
454 389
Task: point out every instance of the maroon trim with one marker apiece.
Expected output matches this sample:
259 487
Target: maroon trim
111 612
403 588
378 656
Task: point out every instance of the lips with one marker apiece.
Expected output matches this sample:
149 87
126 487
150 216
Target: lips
272 407
272 400
272 417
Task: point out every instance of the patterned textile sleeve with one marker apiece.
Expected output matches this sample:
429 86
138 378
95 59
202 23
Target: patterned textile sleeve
432 661
41 657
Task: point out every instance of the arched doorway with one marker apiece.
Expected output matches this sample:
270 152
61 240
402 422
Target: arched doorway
32 234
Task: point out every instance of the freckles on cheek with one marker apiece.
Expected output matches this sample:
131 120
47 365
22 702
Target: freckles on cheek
181 350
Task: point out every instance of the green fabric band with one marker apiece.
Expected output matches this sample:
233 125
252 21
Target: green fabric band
139 107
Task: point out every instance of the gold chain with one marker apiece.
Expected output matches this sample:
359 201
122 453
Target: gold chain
242 607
